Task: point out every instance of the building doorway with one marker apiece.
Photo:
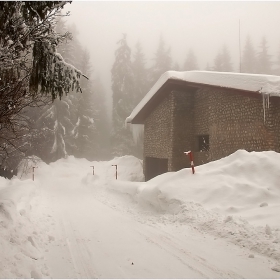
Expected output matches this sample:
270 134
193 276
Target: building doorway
155 167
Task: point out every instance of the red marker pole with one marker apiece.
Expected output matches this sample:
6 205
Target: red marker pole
191 160
116 170
92 170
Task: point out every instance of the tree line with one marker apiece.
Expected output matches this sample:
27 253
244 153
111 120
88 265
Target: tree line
132 79
48 105
52 103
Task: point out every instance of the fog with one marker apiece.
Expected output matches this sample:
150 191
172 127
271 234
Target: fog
203 26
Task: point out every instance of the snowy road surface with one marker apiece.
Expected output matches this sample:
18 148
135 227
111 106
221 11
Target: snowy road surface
69 223
98 234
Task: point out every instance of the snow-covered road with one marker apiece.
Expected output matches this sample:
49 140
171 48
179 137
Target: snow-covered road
96 234
69 223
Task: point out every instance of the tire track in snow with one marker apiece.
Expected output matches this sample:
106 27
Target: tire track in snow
187 258
81 262
169 245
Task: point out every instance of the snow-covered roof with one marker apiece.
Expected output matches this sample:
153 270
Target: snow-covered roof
258 83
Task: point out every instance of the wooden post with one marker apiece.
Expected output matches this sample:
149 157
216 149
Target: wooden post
33 175
92 169
116 170
191 160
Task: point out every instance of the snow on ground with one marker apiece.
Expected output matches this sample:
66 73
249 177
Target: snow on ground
56 226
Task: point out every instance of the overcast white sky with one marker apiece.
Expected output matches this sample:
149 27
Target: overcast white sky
202 25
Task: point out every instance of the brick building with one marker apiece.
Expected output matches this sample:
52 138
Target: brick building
212 114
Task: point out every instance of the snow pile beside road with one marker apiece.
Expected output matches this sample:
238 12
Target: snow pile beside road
237 197
20 255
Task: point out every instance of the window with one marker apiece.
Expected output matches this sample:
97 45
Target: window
203 143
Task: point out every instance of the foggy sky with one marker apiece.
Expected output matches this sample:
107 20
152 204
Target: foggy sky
203 26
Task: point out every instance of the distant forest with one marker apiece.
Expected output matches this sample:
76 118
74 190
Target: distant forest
52 102
132 79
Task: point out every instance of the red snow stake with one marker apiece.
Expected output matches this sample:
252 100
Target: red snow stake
33 175
92 170
116 170
191 159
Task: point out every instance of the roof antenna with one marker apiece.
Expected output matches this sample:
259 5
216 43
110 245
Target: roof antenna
239 50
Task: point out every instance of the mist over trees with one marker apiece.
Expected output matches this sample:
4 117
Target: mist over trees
191 61
46 108
49 107
70 126
162 61
131 79
123 99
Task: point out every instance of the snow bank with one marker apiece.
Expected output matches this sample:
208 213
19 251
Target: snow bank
237 197
20 255
263 84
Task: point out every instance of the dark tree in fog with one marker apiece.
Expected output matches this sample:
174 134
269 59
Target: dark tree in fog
227 66
162 62
86 139
67 127
140 74
103 149
141 88
123 99
222 61
248 62
30 67
190 62
218 62
55 124
263 58
277 63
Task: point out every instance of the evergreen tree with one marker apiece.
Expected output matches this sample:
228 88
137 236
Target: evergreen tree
86 140
140 74
30 69
227 67
277 70
263 58
68 127
218 62
222 61
123 99
103 149
248 63
162 62
190 62
141 88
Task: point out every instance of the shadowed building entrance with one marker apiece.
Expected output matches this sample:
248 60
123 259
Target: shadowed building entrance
155 167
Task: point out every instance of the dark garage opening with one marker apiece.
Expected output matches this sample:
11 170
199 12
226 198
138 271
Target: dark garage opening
155 167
